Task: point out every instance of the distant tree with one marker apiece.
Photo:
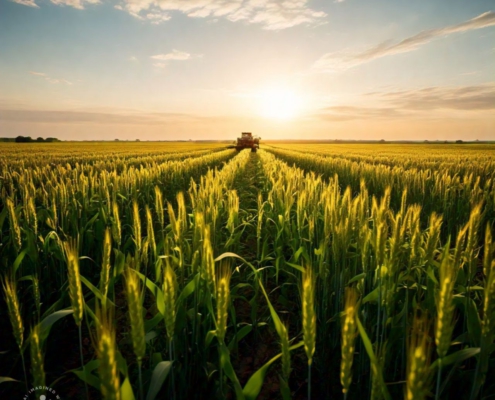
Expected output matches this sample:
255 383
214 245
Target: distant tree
459 141
51 139
382 141
116 140
40 139
23 139
137 140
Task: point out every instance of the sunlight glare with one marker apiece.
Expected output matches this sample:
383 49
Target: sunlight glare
279 104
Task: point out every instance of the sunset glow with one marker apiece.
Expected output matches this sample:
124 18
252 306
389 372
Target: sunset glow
280 104
210 69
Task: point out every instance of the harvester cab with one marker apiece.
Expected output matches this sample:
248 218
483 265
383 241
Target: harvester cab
248 141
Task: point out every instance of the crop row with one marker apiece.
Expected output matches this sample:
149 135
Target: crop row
303 280
437 190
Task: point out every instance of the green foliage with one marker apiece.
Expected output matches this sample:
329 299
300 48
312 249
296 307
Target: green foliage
233 257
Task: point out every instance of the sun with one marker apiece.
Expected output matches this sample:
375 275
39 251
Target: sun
279 103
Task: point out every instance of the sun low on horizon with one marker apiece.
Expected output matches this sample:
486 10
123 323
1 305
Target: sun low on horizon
280 104
312 69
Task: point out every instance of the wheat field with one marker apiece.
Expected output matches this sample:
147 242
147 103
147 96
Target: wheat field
192 271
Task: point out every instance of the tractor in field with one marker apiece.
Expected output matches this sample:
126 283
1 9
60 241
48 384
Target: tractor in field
248 141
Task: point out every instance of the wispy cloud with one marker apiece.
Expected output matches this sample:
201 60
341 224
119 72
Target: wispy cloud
50 79
29 3
97 117
160 65
346 59
175 55
158 18
425 102
270 14
79 4
467 98
350 113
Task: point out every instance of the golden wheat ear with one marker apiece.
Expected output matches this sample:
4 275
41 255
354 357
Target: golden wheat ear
133 294
223 299
170 297
349 332
308 313
9 285
74 278
37 364
106 351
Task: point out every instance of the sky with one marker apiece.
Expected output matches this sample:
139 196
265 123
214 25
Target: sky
283 69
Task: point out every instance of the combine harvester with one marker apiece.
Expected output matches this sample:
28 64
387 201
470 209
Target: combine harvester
248 141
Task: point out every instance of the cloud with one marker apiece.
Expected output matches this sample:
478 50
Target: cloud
464 98
50 79
175 55
425 102
29 3
346 59
160 65
158 18
79 4
120 118
270 14
349 113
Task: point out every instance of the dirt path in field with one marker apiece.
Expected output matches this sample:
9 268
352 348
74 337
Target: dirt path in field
248 184
262 343
256 348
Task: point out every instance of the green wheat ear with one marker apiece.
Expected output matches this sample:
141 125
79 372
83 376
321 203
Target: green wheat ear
349 333
107 355
223 300
170 297
445 305
105 263
37 368
133 292
418 361
9 285
308 314
14 224
74 278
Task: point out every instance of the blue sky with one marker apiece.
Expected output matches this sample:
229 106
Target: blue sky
175 69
